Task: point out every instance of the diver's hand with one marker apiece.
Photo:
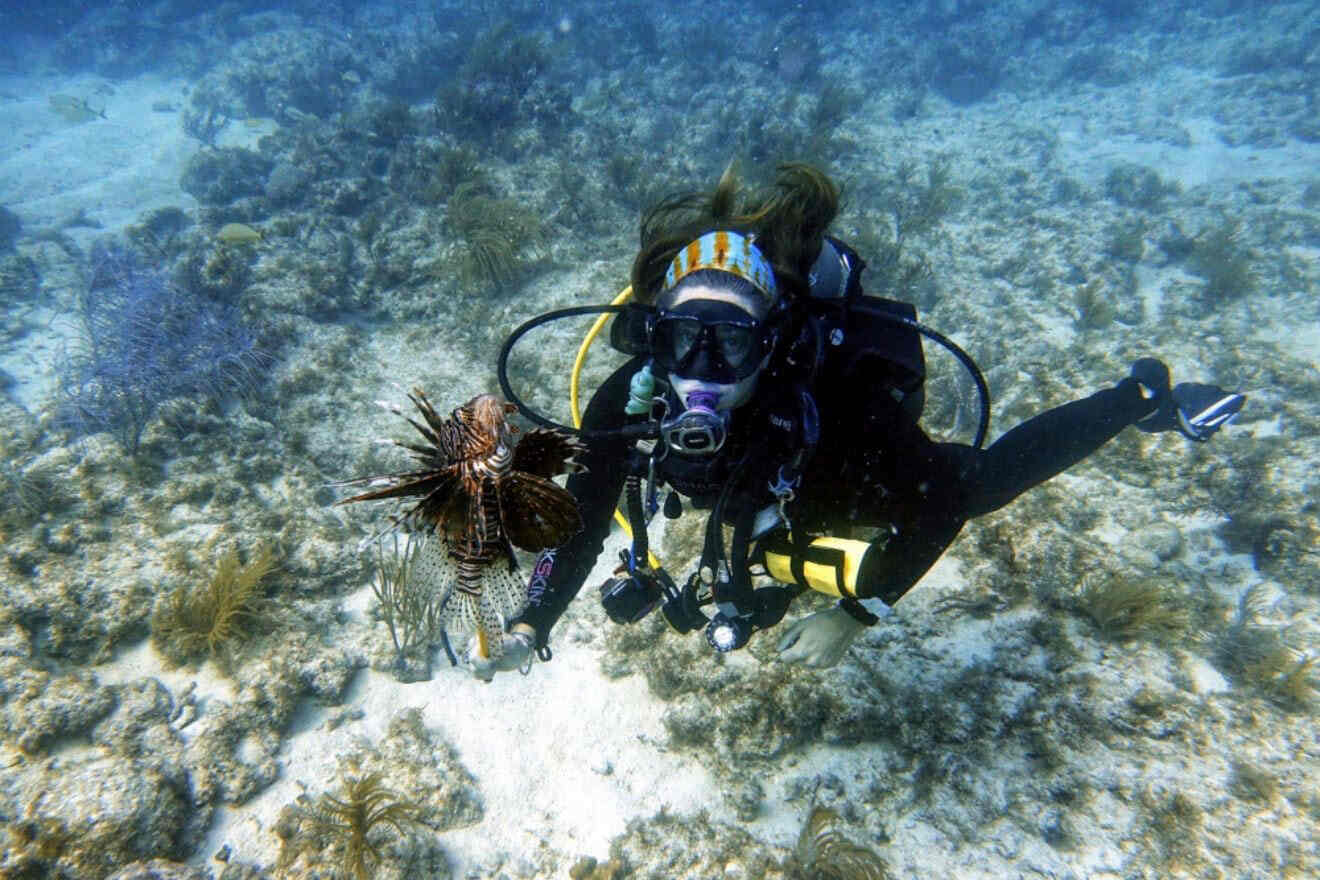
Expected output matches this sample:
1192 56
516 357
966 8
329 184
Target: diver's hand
819 640
1194 409
516 654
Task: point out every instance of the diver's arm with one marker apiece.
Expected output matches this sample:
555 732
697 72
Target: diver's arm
1048 444
941 486
559 573
891 566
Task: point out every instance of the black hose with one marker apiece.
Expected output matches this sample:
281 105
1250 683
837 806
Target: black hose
629 432
647 429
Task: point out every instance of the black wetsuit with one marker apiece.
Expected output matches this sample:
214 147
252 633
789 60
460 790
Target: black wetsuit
873 467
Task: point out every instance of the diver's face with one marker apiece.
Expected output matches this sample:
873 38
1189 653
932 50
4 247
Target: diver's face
710 340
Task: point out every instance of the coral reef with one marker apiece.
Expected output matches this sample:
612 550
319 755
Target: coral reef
343 827
146 342
407 782
1115 675
211 620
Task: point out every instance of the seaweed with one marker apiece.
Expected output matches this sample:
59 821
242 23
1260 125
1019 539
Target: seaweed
1136 186
1095 308
500 69
410 612
1251 652
823 852
20 281
496 233
204 122
1125 608
452 168
345 826
212 619
27 492
389 122
833 102
1224 261
1126 241
915 207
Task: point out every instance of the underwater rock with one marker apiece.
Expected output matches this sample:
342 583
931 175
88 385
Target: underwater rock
42 708
326 676
666 846
283 72
103 812
140 727
236 755
410 773
159 869
218 177
10 227
288 183
1161 539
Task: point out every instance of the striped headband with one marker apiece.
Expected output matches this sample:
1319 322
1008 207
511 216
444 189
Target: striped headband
724 251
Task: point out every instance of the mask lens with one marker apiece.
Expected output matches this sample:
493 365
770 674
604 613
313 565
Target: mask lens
736 343
679 337
728 338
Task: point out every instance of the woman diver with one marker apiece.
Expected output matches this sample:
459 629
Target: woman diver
784 401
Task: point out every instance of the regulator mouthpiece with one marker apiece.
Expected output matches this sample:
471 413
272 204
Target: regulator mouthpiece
699 429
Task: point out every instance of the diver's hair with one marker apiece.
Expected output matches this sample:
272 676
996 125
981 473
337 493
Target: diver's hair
789 222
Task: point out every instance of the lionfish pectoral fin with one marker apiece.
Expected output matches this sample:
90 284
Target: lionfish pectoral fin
538 514
547 453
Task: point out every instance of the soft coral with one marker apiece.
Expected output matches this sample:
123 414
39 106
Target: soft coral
146 341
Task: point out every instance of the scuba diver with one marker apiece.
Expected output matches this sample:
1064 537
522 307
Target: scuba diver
768 390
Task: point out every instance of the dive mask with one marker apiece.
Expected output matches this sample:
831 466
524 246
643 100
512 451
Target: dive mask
709 340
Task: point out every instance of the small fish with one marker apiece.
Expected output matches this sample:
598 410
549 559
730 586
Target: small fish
75 109
238 233
480 496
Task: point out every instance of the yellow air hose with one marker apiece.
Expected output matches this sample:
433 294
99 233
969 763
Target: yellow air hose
573 399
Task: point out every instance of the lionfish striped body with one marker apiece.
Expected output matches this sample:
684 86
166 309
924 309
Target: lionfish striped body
478 497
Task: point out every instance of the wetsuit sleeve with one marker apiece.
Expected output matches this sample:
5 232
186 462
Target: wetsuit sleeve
951 483
1046 445
559 573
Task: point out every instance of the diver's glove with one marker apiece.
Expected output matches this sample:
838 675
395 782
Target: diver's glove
517 654
819 639
1194 409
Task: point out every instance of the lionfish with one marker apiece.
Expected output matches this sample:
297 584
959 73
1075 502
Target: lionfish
480 496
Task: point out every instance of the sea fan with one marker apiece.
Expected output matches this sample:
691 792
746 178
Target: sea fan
144 342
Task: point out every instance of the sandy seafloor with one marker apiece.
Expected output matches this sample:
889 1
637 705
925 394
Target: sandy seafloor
1003 734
